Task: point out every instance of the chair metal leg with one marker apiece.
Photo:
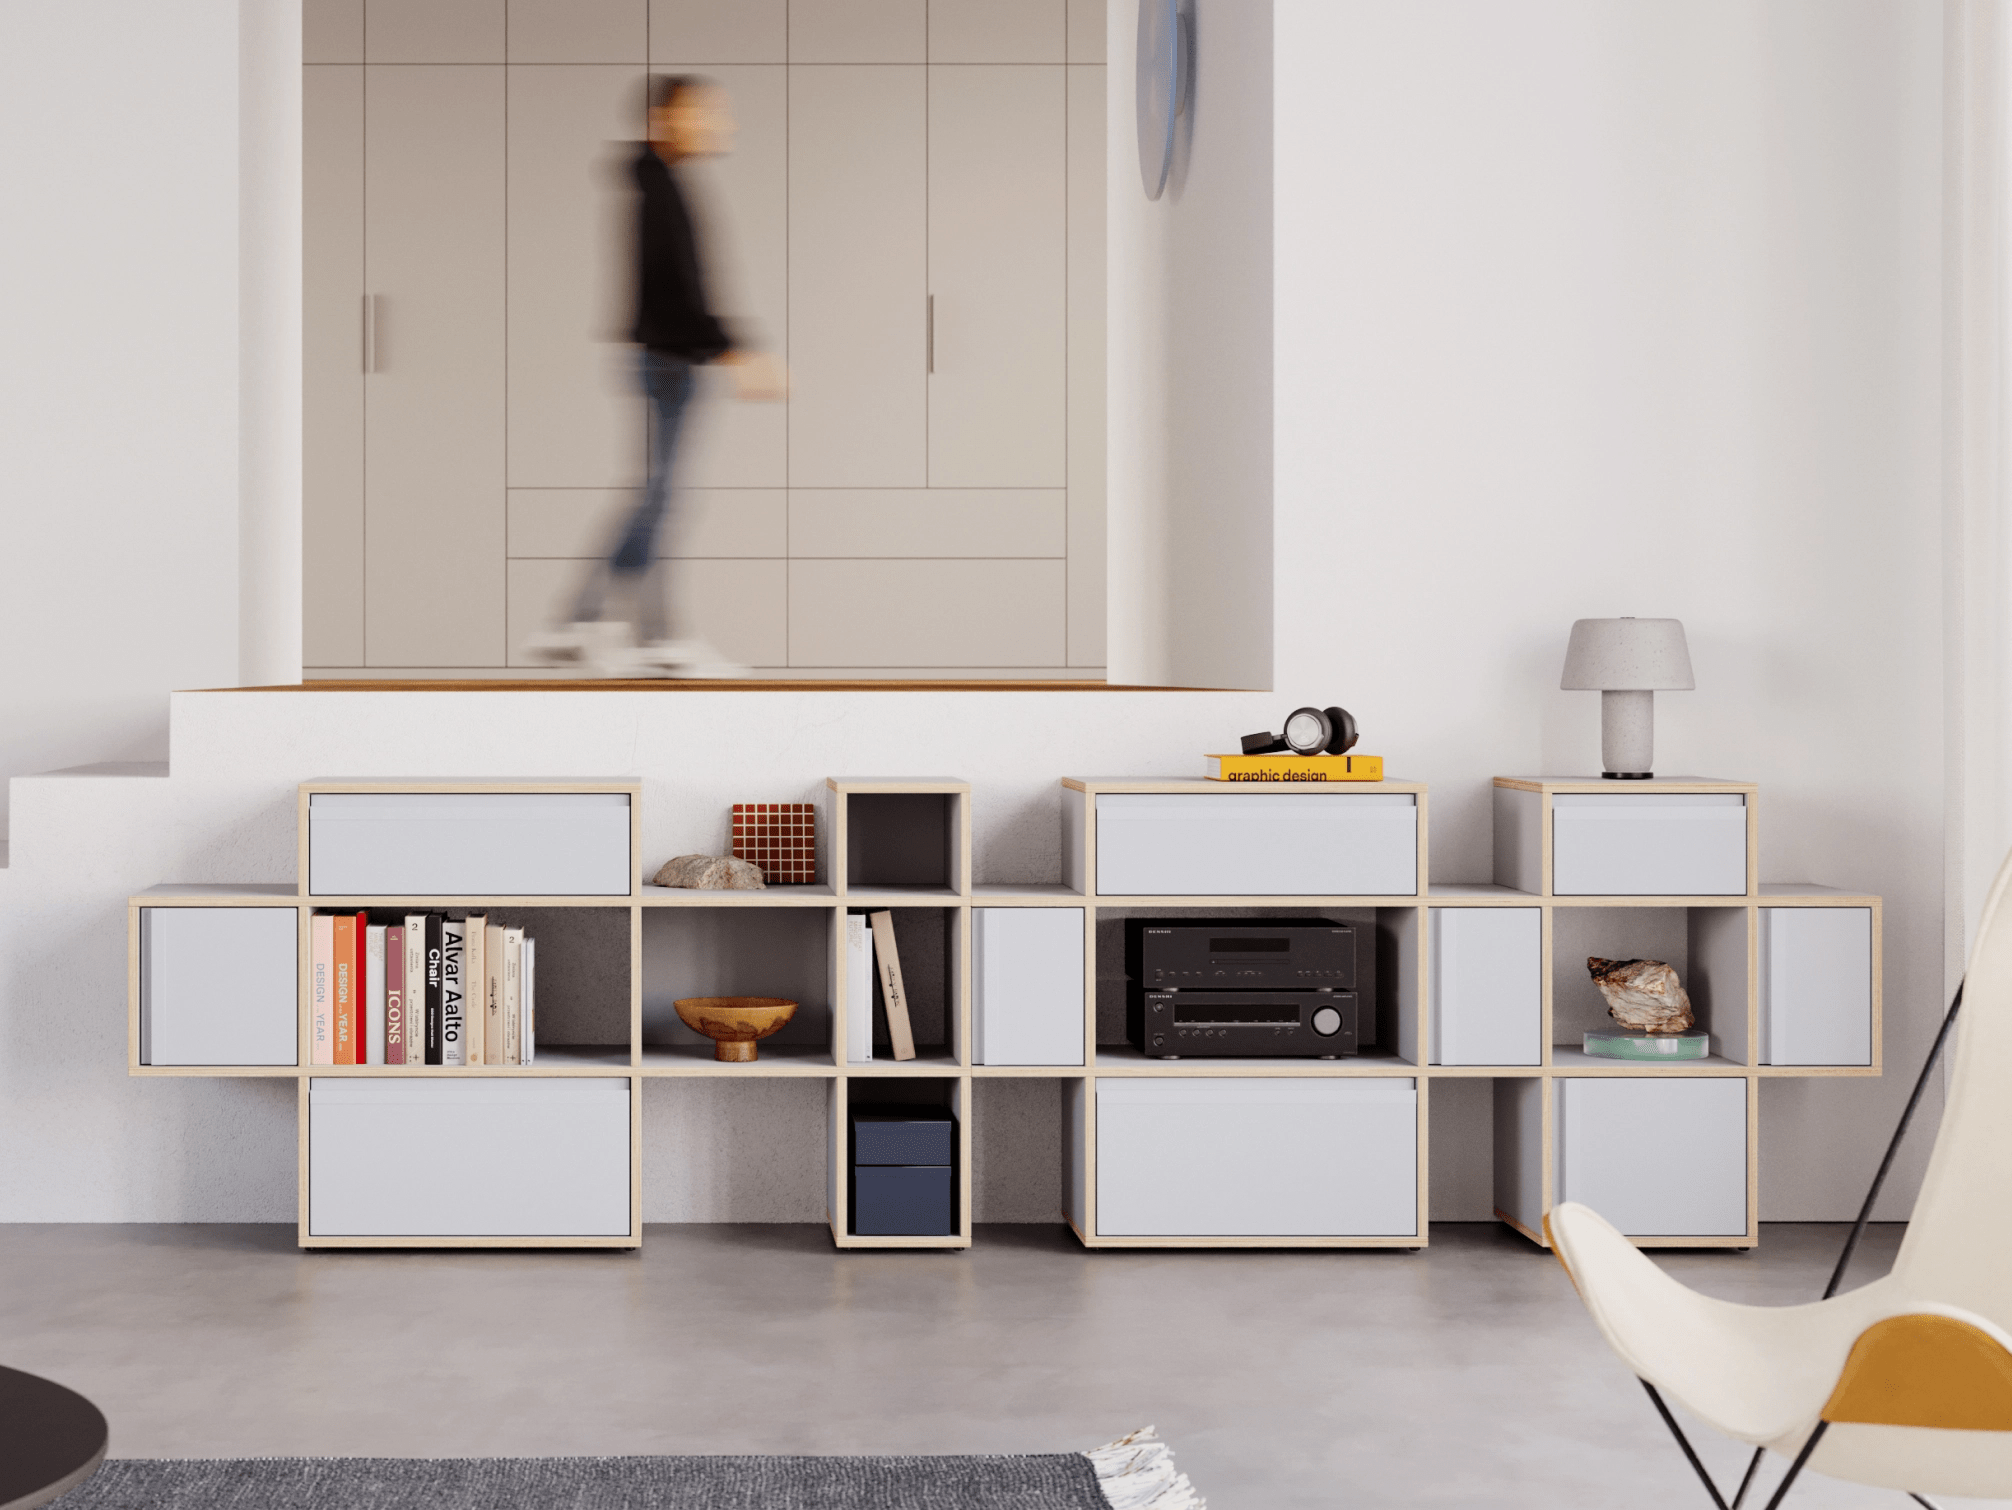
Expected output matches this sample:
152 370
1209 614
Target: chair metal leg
1746 1482
1795 1468
1690 1454
1886 1164
1919 1500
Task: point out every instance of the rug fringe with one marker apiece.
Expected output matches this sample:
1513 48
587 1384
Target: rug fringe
1137 1472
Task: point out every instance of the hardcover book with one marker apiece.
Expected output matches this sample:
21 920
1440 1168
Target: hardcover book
370 1042
899 1031
415 988
474 975
493 1045
345 988
453 990
858 989
394 994
321 986
513 1001
433 940
1288 768
528 1034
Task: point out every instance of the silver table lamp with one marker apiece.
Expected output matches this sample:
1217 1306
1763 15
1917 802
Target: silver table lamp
1627 661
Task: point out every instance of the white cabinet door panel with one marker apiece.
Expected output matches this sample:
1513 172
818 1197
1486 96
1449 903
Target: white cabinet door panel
579 31
1257 843
1086 363
950 522
434 406
1816 985
433 31
1487 985
925 613
1257 1158
858 31
581 524
1602 1127
719 601
706 33
1027 985
741 203
513 1158
332 365
576 415
998 275
858 219
998 31
219 985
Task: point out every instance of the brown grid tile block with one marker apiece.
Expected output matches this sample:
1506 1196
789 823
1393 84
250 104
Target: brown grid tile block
780 837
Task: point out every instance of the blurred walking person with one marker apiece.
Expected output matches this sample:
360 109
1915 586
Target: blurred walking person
677 331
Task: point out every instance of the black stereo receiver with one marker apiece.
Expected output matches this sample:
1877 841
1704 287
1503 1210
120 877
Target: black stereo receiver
1240 954
1173 1024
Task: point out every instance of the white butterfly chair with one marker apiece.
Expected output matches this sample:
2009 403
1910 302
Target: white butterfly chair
1905 1383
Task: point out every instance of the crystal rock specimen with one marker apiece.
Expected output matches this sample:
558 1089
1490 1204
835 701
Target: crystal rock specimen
711 873
1643 994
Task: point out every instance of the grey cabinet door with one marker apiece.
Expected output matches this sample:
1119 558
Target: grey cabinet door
858 216
998 193
576 417
332 365
434 401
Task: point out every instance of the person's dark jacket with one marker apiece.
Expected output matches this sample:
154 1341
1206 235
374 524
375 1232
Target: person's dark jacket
671 312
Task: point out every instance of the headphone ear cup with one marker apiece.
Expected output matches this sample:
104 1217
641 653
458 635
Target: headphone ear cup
1306 731
1343 739
1262 743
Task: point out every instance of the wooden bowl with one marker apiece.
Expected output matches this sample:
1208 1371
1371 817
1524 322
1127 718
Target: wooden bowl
735 1023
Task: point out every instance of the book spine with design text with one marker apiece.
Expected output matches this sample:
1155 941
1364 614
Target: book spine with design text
433 933
370 1042
415 988
528 1034
899 1031
474 977
394 993
345 988
513 1001
453 991
493 1046
321 984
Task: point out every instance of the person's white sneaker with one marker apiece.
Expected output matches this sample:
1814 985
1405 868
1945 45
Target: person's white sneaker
705 663
586 643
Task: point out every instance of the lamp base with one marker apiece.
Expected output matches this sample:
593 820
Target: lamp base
1627 775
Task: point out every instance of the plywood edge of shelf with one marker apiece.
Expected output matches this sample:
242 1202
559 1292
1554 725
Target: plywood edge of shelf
1575 785
608 901
1421 1240
1114 1063
1517 1227
855 1240
1482 1071
633 785
1147 786
896 786
1590 1065
1029 1071
388 1243
1258 899
220 1071
819 895
206 894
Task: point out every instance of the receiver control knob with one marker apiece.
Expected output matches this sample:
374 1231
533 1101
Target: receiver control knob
1327 1022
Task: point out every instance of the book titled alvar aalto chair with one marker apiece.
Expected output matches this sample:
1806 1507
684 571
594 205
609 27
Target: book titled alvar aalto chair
1904 1383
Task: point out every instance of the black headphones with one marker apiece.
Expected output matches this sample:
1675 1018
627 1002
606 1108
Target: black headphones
1308 731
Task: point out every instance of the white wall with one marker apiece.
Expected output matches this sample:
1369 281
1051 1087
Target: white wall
1588 310
1190 367
118 396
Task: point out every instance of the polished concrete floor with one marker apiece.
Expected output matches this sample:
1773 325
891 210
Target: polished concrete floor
1464 1375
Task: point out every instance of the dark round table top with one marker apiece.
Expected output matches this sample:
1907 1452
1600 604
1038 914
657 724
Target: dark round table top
51 1440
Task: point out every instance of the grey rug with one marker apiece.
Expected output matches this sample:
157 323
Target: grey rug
1049 1481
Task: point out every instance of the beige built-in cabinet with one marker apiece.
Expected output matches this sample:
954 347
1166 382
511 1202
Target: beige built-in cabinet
912 215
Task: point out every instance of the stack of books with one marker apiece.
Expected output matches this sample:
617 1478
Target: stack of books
427 989
869 952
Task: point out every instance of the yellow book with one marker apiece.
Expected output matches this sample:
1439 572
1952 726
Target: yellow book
1283 768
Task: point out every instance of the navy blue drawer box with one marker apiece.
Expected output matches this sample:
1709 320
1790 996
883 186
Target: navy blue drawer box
904 1200
903 1135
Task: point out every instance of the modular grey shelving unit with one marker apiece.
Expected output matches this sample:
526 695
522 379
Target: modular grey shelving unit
1160 1153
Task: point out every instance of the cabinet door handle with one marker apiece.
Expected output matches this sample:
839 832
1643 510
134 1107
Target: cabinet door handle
932 332
370 332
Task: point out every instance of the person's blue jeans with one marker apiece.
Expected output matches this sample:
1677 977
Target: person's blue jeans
632 564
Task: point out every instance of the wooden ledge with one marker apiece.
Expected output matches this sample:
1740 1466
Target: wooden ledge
695 684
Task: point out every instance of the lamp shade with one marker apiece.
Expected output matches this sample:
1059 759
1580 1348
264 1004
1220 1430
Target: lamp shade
1627 655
